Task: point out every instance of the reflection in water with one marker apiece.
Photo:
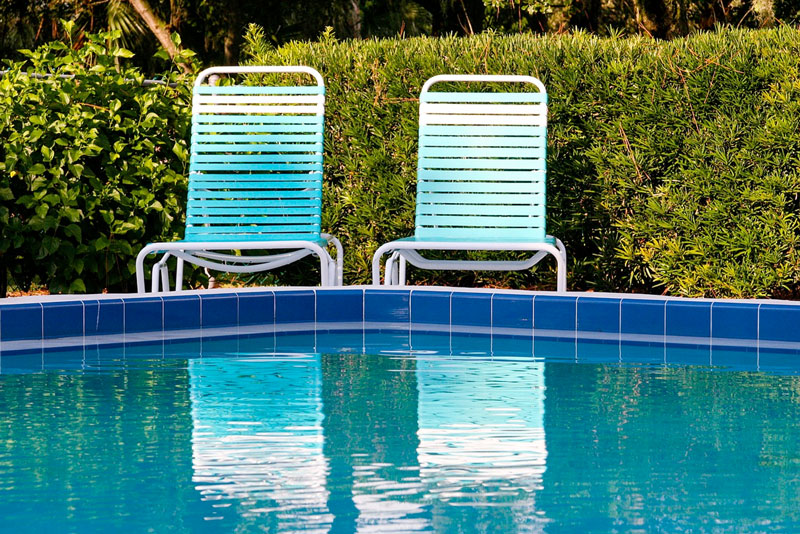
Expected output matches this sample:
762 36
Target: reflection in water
257 440
482 442
360 443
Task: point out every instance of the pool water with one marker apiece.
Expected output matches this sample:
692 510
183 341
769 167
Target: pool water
154 438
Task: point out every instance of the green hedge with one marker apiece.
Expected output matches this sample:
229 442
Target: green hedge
673 166
92 167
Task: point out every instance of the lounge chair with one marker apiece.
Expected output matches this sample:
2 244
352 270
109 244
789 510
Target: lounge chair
481 180
255 179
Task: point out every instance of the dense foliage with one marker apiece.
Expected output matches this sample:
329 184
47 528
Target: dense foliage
92 166
673 166
213 28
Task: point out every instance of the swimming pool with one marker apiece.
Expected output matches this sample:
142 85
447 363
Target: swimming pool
358 410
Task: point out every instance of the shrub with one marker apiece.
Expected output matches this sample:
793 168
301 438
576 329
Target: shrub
92 166
673 166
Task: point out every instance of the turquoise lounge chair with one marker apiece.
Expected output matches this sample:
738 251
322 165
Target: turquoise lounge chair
255 180
481 180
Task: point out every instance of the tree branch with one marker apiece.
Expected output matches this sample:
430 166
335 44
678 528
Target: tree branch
159 29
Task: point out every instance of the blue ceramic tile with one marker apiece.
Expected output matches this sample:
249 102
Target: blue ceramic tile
642 353
642 317
340 305
107 319
598 351
734 320
780 362
512 311
471 309
554 313
63 319
734 358
688 354
142 315
688 318
512 346
430 307
438 342
339 342
598 315
376 341
779 323
256 308
219 310
294 306
21 321
385 306
181 312
556 349
476 344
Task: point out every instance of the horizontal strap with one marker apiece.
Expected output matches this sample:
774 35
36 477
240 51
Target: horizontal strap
274 211
493 120
483 109
283 203
254 138
533 221
431 96
481 187
481 142
482 131
264 219
257 119
237 99
232 237
482 199
459 152
207 186
482 234
203 109
487 163
258 158
235 196
475 209
500 176
254 167
255 177
200 177
255 147
244 229
227 129
258 90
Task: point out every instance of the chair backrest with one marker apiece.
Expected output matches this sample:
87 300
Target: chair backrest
256 159
481 171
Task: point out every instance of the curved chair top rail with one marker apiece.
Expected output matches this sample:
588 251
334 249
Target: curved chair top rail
513 78
259 69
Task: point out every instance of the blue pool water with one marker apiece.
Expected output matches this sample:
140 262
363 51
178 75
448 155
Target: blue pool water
260 435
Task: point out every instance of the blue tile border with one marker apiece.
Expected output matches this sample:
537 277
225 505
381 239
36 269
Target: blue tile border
594 318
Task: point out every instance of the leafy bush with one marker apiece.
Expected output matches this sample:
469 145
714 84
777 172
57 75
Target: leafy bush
673 166
92 166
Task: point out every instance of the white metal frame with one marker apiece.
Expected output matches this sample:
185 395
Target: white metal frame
204 253
403 252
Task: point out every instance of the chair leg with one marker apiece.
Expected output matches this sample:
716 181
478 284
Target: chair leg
155 276
561 272
164 276
179 275
402 271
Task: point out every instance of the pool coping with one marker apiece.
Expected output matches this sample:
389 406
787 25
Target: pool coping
63 321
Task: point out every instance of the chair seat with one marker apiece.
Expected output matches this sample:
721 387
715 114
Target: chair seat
251 238
550 240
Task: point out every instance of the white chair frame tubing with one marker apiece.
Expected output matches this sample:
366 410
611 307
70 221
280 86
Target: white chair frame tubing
406 251
200 254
